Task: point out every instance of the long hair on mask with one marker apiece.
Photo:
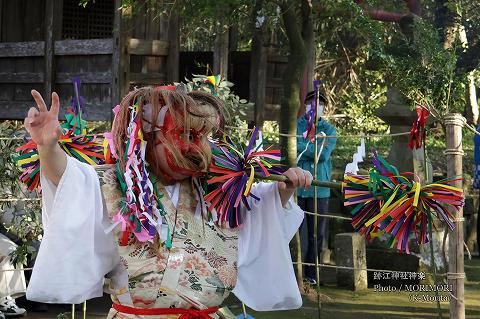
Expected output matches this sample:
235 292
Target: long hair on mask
194 111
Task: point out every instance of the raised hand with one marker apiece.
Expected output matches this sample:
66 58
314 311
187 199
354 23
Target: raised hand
41 123
44 128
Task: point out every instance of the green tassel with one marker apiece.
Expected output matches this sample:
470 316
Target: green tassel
26 155
34 172
138 227
121 181
169 240
357 208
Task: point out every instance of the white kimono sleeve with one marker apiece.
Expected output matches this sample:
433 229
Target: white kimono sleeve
266 279
75 253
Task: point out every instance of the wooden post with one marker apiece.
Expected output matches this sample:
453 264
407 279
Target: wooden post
456 274
48 57
220 53
173 58
1 22
258 65
58 20
117 66
233 38
128 25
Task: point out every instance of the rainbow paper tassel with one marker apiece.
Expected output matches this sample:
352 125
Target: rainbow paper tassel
395 204
232 171
73 141
142 212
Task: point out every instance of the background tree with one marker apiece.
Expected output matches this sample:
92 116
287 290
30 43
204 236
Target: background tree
298 23
411 62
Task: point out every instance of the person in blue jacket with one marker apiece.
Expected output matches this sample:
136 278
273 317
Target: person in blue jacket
305 159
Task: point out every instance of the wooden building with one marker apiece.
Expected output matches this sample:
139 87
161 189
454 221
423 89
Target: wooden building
45 43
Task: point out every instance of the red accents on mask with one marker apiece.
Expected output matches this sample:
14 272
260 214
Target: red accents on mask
166 87
187 144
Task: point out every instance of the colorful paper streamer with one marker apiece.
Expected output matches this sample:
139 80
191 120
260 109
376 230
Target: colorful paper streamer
74 141
388 202
142 213
232 174
417 133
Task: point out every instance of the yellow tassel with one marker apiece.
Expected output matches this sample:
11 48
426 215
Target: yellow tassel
417 188
250 181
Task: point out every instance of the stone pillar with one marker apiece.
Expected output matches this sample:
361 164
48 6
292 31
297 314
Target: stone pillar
350 252
398 115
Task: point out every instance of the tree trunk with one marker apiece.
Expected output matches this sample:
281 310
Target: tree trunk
446 20
308 77
299 30
472 234
299 41
289 108
471 104
220 53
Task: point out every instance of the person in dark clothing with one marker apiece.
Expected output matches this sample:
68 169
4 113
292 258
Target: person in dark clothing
305 151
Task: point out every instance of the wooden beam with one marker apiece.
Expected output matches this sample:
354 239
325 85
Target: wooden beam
61 78
88 77
117 53
277 58
148 78
48 56
84 47
1 19
272 113
127 26
148 47
14 110
17 110
276 83
58 21
173 57
21 77
22 49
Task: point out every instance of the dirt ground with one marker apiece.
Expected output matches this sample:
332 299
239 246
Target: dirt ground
337 303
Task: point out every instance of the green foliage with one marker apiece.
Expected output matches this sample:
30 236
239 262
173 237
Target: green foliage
20 218
359 58
422 69
235 108
29 229
201 19
353 89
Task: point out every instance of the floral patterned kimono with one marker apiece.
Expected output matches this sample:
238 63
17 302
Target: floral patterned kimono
203 266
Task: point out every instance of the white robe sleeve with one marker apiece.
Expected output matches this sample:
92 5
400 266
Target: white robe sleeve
75 253
266 279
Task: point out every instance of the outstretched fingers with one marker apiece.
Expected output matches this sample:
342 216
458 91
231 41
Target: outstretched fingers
55 104
39 100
